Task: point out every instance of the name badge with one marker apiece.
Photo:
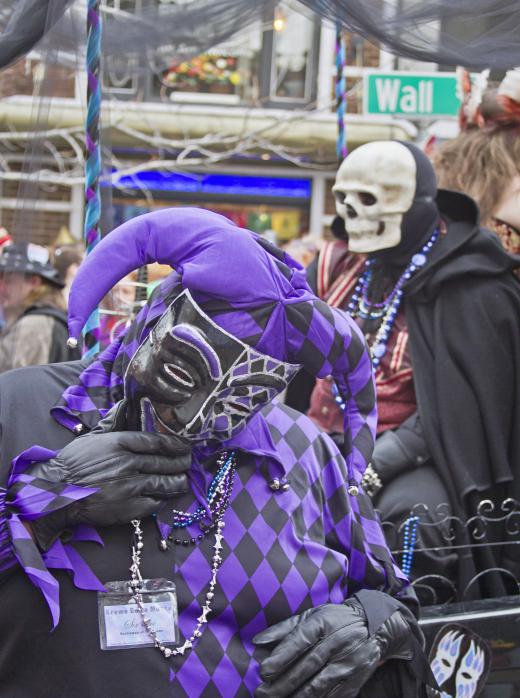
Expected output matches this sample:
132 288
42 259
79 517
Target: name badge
121 623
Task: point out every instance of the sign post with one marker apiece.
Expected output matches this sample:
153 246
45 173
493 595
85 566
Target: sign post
411 95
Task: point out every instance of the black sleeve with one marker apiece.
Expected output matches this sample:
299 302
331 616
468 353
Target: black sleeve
298 395
465 349
393 679
397 678
6 553
312 275
299 392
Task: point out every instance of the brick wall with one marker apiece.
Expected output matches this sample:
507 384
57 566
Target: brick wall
41 227
13 189
362 54
27 223
330 208
19 79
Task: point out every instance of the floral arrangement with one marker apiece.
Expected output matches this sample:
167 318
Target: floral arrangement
203 71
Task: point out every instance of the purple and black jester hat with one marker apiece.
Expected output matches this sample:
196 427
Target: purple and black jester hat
234 305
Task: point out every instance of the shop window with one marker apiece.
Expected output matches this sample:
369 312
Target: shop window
278 224
120 74
229 72
293 46
270 63
120 77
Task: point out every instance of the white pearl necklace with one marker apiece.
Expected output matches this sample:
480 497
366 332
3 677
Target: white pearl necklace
136 582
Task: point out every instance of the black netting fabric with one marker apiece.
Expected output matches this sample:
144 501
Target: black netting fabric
24 24
155 31
475 33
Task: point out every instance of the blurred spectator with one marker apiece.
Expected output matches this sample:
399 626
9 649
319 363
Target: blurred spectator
34 308
127 297
67 259
303 250
5 239
484 160
117 309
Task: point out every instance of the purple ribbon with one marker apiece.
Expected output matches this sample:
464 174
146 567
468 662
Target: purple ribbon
33 499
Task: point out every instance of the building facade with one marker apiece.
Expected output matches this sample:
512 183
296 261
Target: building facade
248 129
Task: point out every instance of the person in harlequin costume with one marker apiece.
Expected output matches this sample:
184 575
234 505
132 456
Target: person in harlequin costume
171 451
436 297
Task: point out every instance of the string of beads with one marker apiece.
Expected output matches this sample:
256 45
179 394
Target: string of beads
386 311
218 496
223 486
409 543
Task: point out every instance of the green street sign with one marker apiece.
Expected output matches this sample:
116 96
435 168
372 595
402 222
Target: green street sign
410 94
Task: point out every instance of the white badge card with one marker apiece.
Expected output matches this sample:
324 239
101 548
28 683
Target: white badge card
121 624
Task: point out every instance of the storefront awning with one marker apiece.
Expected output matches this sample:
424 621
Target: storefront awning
140 124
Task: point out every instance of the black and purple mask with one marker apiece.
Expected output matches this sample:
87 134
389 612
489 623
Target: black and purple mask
193 379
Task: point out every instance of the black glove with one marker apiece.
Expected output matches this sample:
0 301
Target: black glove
332 650
133 472
400 450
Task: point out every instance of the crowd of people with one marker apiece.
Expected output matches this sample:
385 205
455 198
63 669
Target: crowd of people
262 511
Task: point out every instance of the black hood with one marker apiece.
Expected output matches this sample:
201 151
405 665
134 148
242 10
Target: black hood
419 222
466 249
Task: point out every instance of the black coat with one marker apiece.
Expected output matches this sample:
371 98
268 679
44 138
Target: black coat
463 314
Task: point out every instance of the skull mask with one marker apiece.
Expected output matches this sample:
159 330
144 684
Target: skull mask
375 186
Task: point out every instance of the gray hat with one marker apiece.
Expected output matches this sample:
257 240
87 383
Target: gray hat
27 258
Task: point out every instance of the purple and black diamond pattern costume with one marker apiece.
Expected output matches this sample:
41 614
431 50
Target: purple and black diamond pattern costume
284 551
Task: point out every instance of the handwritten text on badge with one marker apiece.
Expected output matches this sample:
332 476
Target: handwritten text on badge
124 624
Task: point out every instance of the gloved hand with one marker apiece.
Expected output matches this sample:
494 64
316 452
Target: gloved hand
400 450
331 650
132 471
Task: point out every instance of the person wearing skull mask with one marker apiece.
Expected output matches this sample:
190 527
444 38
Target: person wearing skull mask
439 304
285 584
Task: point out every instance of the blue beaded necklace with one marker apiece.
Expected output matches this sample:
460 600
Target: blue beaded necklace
409 542
217 491
217 498
361 306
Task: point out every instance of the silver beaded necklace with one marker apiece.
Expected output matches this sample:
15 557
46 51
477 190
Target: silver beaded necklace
136 582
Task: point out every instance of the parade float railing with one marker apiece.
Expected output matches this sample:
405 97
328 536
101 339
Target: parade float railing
493 529
467 581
